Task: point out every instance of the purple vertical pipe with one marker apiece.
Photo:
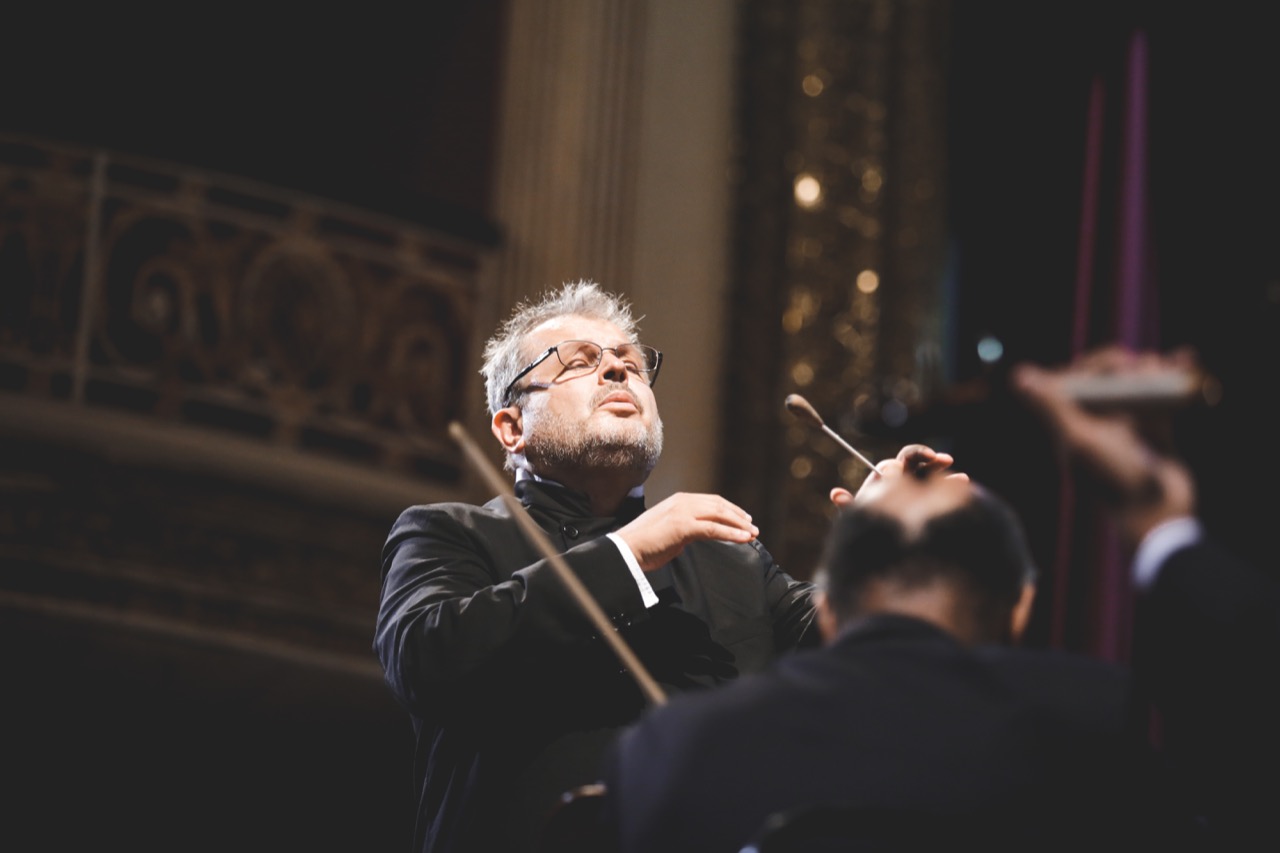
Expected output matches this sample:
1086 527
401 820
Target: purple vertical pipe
1079 340
1132 300
1134 322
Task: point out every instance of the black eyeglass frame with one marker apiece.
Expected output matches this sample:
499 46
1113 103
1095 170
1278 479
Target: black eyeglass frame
651 372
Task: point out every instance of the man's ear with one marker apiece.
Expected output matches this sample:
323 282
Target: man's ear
827 622
1021 615
508 427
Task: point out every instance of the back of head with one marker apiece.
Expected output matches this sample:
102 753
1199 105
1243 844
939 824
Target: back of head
938 535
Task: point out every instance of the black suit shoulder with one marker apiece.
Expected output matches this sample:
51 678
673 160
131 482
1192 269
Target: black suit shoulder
895 715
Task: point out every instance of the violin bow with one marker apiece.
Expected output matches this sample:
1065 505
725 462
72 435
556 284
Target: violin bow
538 537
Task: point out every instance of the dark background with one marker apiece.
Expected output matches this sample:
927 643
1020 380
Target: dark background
119 736
391 107
1019 86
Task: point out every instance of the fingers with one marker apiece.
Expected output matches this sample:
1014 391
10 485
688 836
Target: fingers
1108 360
709 517
658 534
887 469
841 496
720 519
918 460
1042 389
1104 359
1108 445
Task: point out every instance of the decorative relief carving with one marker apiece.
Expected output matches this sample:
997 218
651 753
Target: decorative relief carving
149 317
250 310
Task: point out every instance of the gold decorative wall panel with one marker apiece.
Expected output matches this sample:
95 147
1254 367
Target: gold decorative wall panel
840 248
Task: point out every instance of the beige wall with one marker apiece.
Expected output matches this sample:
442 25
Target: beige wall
682 226
613 166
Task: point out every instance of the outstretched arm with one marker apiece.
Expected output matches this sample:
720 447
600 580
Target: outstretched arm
1115 448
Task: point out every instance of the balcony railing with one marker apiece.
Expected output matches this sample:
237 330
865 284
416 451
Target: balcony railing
282 326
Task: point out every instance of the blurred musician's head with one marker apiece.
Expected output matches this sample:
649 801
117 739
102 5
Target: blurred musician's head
938 548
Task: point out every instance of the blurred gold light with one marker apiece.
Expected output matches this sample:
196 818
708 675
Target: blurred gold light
868 281
802 374
812 85
852 471
808 190
792 320
801 467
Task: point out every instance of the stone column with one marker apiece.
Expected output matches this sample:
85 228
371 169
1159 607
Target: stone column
614 154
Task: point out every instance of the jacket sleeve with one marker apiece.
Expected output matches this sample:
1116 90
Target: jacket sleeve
1206 648
1209 618
469 615
791 605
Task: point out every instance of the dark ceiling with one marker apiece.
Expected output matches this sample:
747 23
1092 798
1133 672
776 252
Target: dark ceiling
391 108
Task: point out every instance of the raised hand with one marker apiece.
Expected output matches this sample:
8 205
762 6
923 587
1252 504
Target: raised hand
1142 486
918 460
662 531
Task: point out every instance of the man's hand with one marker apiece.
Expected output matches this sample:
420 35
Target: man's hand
1143 487
917 460
662 531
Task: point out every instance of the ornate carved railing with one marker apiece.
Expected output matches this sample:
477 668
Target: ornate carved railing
215 396
184 297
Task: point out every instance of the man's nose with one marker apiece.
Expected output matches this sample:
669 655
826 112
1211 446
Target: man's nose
612 367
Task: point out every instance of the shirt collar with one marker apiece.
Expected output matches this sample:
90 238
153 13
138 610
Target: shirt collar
526 474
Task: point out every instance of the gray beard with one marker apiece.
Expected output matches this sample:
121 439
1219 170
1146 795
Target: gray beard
555 445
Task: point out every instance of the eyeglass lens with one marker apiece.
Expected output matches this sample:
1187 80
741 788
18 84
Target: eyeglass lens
585 355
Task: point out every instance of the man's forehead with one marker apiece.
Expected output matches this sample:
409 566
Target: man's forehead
574 327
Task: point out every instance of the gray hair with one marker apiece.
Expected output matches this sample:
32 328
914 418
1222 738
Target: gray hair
584 298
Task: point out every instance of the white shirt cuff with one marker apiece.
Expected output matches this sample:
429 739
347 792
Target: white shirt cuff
647 594
1159 543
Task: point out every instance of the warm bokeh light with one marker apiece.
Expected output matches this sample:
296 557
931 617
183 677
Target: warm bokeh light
808 191
812 85
801 467
868 281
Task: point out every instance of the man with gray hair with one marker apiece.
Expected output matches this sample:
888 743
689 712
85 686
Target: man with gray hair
512 696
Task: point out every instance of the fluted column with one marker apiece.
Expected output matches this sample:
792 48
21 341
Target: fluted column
567 145
613 165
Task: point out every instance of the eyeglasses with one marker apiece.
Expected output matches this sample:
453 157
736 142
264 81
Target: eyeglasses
582 357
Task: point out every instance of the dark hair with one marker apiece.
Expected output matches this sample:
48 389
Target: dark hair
979 547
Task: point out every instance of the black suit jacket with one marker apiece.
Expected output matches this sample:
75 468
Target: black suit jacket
894 716
1207 652
512 696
